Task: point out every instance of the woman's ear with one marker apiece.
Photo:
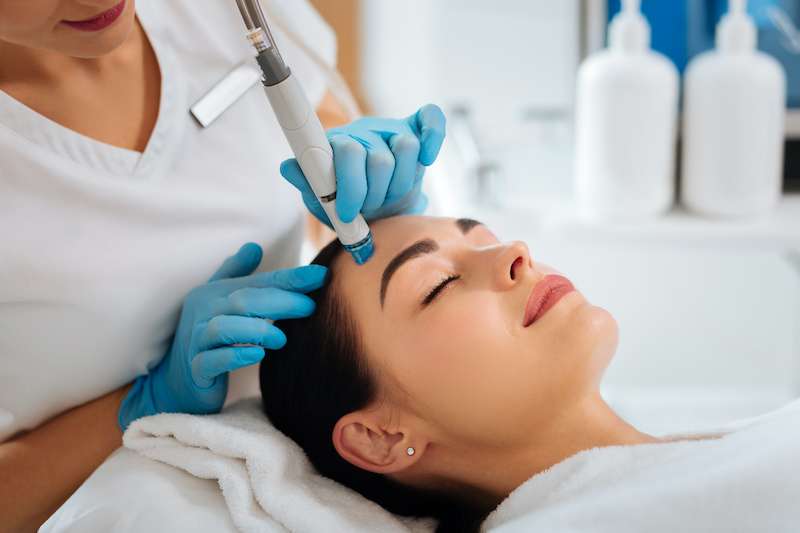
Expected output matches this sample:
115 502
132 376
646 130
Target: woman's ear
363 440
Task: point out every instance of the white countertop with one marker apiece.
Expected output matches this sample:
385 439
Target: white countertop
779 230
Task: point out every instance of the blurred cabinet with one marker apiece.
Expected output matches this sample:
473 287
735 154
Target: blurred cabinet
499 58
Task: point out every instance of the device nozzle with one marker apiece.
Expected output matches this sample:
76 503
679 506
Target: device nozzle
362 251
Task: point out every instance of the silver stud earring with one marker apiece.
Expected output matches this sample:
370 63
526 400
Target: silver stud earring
410 451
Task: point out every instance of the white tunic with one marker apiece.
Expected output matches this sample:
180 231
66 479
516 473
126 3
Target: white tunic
100 244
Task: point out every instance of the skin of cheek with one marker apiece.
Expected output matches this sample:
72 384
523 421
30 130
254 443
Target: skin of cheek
481 382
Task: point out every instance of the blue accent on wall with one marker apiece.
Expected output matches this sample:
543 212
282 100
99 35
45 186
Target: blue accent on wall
684 28
668 20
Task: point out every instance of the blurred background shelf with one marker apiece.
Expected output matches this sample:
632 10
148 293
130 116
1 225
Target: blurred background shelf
779 231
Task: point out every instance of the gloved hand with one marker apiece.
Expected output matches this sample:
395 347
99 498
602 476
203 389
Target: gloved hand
230 309
379 165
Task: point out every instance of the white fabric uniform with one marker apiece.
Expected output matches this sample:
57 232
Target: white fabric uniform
101 244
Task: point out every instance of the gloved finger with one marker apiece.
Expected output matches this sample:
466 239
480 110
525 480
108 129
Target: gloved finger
405 148
380 168
350 163
242 263
410 204
207 365
430 125
315 208
270 302
301 279
291 172
224 330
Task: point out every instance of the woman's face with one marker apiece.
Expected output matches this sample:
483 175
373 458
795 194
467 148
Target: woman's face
44 24
464 362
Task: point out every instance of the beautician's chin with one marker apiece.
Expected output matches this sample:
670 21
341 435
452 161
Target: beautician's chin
94 44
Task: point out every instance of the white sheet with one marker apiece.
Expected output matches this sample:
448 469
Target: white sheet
130 493
746 481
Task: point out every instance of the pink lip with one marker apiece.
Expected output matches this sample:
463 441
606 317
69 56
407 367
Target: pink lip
100 22
544 296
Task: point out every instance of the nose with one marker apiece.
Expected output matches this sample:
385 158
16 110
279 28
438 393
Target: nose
511 265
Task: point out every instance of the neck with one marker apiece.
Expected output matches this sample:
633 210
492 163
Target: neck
496 473
27 65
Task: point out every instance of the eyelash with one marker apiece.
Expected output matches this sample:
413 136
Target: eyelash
437 289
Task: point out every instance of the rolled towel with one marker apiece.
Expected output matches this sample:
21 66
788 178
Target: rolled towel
268 483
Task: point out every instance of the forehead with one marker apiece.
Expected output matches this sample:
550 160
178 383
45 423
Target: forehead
390 235
358 286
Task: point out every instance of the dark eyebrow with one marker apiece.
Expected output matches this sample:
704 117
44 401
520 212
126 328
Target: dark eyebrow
425 246
421 247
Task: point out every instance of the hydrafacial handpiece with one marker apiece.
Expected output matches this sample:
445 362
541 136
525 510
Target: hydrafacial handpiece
303 130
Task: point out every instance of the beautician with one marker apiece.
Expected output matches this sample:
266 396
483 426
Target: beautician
141 253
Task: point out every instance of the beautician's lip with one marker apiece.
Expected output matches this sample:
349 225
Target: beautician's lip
99 22
544 296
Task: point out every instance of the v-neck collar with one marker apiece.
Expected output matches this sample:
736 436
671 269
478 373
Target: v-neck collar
102 157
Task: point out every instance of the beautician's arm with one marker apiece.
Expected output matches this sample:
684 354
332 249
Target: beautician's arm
40 469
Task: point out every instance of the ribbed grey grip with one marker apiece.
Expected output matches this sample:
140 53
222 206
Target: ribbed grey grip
273 67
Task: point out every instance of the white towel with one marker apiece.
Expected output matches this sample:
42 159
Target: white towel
746 481
266 479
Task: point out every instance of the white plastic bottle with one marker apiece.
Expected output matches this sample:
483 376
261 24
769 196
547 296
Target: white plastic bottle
735 106
626 122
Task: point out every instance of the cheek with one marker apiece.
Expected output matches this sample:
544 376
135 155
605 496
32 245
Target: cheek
459 336
474 372
456 366
567 354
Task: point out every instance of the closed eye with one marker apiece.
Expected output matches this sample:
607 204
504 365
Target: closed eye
437 289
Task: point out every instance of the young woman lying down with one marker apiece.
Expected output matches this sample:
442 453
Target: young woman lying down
446 372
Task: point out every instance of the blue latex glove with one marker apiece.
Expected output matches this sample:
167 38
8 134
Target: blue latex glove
379 165
229 310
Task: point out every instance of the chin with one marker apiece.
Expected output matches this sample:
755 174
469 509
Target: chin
603 335
94 45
